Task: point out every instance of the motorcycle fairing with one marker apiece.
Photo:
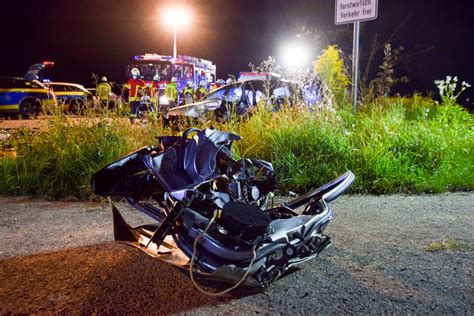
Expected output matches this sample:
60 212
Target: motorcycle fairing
191 178
127 176
227 264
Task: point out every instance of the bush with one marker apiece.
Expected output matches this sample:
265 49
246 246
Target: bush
330 66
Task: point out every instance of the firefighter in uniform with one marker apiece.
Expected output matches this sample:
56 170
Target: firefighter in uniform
134 86
154 93
201 91
188 93
103 91
171 93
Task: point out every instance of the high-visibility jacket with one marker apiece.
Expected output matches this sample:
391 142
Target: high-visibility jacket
188 90
200 93
154 86
134 86
171 92
103 90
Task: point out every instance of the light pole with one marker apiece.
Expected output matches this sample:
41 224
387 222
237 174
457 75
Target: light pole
175 49
175 17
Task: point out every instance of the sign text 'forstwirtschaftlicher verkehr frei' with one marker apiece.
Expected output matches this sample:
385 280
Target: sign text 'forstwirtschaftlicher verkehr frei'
348 11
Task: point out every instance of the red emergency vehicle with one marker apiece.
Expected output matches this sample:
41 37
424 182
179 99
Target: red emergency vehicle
184 68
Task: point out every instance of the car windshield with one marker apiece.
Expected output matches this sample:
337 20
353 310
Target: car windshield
235 94
148 71
216 95
254 92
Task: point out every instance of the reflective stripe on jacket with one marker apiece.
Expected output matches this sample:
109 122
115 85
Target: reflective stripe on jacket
134 85
188 90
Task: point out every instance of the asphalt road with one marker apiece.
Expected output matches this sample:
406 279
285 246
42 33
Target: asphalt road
58 257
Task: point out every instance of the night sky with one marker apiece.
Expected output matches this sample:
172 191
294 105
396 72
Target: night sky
102 36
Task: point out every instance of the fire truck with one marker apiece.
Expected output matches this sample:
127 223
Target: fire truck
184 68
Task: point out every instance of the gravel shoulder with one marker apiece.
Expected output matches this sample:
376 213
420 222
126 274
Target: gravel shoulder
59 257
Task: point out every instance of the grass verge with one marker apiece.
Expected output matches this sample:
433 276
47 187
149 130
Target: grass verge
393 145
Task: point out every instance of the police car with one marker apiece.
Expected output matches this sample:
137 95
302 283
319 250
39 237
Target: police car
19 96
71 96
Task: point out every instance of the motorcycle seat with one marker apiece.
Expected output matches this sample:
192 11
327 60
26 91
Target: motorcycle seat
165 168
189 162
200 159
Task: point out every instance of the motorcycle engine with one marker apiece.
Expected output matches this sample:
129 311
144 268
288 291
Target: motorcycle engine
244 221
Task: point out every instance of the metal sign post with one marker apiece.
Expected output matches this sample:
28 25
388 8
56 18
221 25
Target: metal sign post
348 11
355 63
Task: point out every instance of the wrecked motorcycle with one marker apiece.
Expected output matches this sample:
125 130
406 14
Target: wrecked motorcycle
214 214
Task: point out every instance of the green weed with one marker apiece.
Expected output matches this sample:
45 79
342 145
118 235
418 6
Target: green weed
94 209
447 244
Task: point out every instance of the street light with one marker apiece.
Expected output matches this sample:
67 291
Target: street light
295 54
175 17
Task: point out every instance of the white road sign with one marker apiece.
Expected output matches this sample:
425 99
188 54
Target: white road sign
348 11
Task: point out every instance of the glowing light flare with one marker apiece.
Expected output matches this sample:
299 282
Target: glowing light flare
177 16
48 63
295 54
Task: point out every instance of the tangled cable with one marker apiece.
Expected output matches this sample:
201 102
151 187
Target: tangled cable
193 257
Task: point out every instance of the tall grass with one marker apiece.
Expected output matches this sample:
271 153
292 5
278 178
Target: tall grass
60 161
411 145
392 145
397 145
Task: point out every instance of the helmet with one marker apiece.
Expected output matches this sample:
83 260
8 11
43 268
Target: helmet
229 81
174 79
103 79
156 77
36 67
135 72
190 84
